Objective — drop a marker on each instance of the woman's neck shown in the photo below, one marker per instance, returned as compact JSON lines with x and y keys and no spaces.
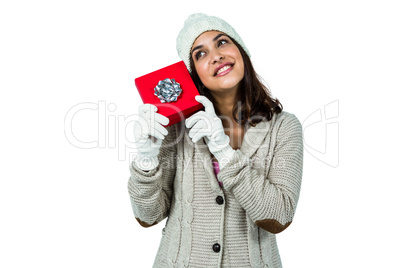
{"x":224,"y":109}
{"x":224,"y":105}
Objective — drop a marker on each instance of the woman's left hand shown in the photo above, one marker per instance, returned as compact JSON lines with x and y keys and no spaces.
{"x":209,"y":126}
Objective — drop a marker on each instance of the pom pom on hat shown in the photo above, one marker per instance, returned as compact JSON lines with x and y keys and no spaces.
{"x":194,"y":26}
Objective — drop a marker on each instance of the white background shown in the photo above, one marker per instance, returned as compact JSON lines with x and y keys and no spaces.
{"x":62,"y":205}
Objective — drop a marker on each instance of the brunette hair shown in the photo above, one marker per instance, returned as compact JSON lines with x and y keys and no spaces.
{"x":256,"y":102}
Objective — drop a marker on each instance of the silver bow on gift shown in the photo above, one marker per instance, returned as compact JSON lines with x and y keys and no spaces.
{"x":168,"y":90}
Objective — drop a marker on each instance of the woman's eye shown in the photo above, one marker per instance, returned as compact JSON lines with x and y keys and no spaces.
{"x":222,"y":42}
{"x":198,"y":55}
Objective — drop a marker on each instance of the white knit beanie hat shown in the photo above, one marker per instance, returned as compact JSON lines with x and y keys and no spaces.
{"x":194,"y":26}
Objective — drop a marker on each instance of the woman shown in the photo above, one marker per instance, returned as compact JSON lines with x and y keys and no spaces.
{"x":227,"y":217}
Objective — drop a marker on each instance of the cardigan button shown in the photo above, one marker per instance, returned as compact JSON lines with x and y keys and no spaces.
{"x":219,"y":200}
{"x":216,"y":247}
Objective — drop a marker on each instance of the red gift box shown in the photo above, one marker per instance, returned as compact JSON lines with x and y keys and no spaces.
{"x":176,"y":111}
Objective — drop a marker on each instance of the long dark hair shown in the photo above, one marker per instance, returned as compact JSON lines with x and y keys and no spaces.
{"x":256,"y":102}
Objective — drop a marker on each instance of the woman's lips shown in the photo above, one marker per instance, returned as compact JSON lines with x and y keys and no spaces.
{"x":227,"y":69}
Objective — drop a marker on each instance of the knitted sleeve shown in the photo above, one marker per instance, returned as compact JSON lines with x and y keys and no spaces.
{"x":150,"y":192}
{"x":270,"y":201}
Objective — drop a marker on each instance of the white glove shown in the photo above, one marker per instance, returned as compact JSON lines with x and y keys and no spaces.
{"x":209,"y":126}
{"x":148,"y":136}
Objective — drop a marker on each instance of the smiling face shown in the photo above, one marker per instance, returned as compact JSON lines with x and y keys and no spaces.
{"x":218,"y":62}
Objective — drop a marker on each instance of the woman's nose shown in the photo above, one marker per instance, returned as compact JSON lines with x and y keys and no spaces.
{"x":216,"y":56}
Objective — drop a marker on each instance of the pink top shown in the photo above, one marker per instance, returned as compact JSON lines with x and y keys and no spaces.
{"x":215,"y":165}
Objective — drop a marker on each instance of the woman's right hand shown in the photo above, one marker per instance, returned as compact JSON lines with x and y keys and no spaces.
{"x":148,"y":136}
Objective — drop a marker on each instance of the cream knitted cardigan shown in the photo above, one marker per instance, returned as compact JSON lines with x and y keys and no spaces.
{"x":261,"y":186}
